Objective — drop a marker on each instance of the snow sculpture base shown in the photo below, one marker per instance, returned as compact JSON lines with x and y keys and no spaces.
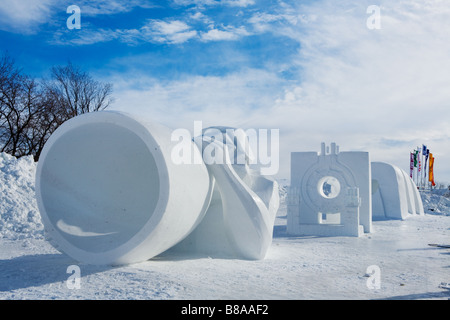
{"x":108,"y":192}
{"x":394,"y":193}
{"x":330,"y":193}
{"x":344,"y":223}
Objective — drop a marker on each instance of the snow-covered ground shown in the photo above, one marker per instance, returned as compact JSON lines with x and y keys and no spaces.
{"x":407,"y":267}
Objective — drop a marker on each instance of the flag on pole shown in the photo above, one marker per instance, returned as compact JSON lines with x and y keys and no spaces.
{"x":431,"y":173}
{"x":411,"y":164}
{"x":419,"y":160}
{"x":424,"y":149}
{"x":427,"y":152}
{"x":415,"y":158}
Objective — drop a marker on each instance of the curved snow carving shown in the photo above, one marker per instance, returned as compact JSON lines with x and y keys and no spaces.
{"x":394,"y":193}
{"x":109,"y":193}
{"x":241,"y":216}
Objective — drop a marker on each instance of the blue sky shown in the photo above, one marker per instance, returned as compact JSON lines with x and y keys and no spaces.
{"x":312,"y":69}
{"x":167,"y":39}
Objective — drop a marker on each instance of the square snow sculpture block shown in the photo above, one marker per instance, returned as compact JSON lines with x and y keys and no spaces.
{"x":330,"y":193}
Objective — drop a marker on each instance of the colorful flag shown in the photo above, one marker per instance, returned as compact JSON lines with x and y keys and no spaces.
{"x":419,"y":157}
{"x":424,"y":149}
{"x":426,"y":153}
{"x":415,"y":158}
{"x":431,"y":173}
{"x":411,"y":164}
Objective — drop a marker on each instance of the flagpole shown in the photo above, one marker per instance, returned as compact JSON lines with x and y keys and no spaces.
{"x":424,"y":165}
{"x":421,"y":172}
{"x":419,"y":179}
{"x":411,"y":165}
{"x":424,"y":153}
{"x":427,"y":167}
{"x":423,"y":168}
{"x":418,"y":166}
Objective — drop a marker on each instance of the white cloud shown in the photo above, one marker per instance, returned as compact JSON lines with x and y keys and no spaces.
{"x":154,"y":30}
{"x":169,"y":28}
{"x":263,"y":21}
{"x":27,"y":16}
{"x":383,"y":91}
{"x":239,"y":3}
{"x":216,"y":100}
{"x":24,"y":16}
{"x":200,"y":17}
{"x":169,"y":31}
{"x":108,"y":7}
{"x":203,"y":3}
{"x":360,"y":87}
{"x":215,"y":35}
{"x":172,"y":32}
{"x":228,"y":33}
{"x":87,"y":36}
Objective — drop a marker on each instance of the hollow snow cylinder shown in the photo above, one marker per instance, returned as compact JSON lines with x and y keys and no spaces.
{"x":109,"y":193}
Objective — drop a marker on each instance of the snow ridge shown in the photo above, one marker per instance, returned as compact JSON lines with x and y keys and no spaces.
{"x":19,"y":215}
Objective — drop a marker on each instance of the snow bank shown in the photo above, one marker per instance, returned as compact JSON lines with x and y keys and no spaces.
{"x":19,"y":216}
{"x":436,"y":201}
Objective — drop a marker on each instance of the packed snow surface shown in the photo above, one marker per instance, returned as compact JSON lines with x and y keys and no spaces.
{"x":294,"y":268}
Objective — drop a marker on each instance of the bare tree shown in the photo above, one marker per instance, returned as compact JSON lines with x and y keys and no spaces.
{"x":19,"y":103}
{"x":30,"y":110}
{"x":45,"y":121}
{"x":75,"y":92}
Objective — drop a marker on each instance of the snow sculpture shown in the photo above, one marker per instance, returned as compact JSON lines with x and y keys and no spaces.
{"x":241,"y":216}
{"x":109,"y":193}
{"x":330,"y":193}
{"x":394,"y":193}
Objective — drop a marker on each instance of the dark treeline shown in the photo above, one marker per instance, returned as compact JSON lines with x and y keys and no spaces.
{"x":32,"y":109}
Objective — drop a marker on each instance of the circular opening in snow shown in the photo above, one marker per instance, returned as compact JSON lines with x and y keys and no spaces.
{"x":99,"y":185}
{"x":329,"y":187}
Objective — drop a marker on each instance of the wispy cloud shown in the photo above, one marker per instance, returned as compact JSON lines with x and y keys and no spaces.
{"x":264,"y":22}
{"x":310,"y":68}
{"x":201,"y":17}
{"x":87,"y":36}
{"x":383,"y":91}
{"x":170,"y":31}
{"x":156,"y":31}
{"x":174,"y":31}
{"x":358,"y":85}
{"x":202,"y":3}
{"x":24,"y":16}
{"x":226,"y":33}
{"x":110,"y":7}
{"x":232,"y":99}
{"x":27,"y":16}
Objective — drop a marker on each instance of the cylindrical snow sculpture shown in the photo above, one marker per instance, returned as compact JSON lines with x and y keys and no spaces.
{"x":109,"y":193}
